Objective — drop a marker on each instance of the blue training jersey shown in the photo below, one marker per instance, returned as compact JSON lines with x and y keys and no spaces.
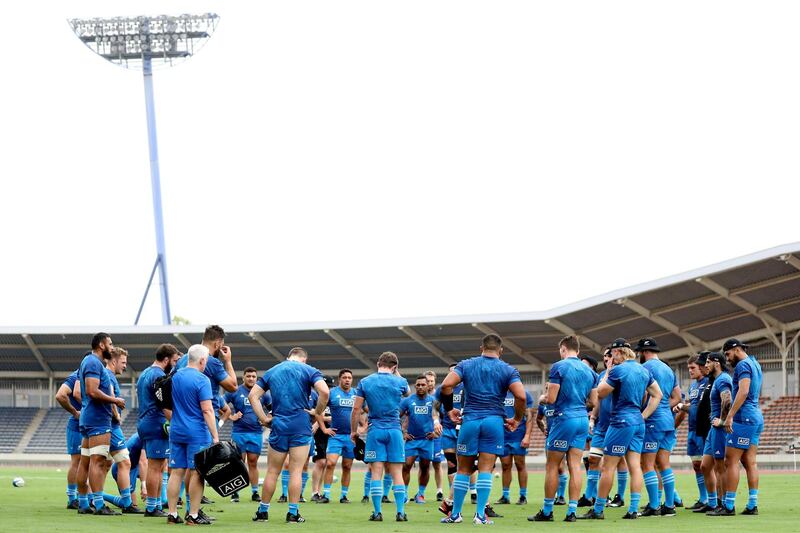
{"x":722,"y":383}
{"x":630,"y":381}
{"x":576,"y":381}
{"x":662,"y":419}
{"x":340,"y":404}
{"x":72,"y":423}
{"x":240,"y":401}
{"x":383,"y":392}
{"x":604,"y":412}
{"x":189,"y":388}
{"x":115,"y":389}
{"x":508,"y":404}
{"x":486,"y":381}
{"x":420,"y":415}
{"x":215,"y":372}
{"x":750,"y":412}
{"x":695,"y":391}
{"x":94,"y":413}
{"x":290,"y":383}
{"x":151,"y":418}
{"x":458,"y":403}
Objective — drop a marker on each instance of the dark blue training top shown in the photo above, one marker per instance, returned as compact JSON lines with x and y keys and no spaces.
{"x":486,"y":382}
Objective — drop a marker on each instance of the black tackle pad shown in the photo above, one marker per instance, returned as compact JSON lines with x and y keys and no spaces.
{"x":222,"y":467}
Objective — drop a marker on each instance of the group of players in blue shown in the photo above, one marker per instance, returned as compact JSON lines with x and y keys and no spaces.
{"x":480,"y":412}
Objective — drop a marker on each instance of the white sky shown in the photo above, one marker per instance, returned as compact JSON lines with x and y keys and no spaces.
{"x":360,"y":159}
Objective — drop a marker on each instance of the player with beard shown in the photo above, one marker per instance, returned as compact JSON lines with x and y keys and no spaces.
{"x":713,"y":462}
{"x":694,"y":443}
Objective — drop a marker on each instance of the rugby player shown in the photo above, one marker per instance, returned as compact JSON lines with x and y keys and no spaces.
{"x":247,"y":433}
{"x":320,"y":449}
{"x":152,"y":427}
{"x":713,"y":462}
{"x":544,"y":415}
{"x":449,"y":436}
{"x":95,"y":425}
{"x":659,"y":438}
{"x":290,"y":384}
{"x":515,"y":449}
{"x":420,"y":428}
{"x":570,"y":390}
{"x":134,"y":447}
{"x":743,"y":425}
{"x":695,"y":443}
{"x":627,"y":382}
{"x":438,"y":453}
{"x":384,"y":392}
{"x":71,"y":405}
{"x":486,"y":380}
{"x":341,"y":403}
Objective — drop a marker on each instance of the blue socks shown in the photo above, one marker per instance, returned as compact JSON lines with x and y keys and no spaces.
{"x":547,"y":508}
{"x":730,"y":500}
{"x":712,"y":500}
{"x":72,"y":493}
{"x":506,"y":492}
{"x":83,"y":501}
{"x":367,"y":483}
{"x":633,"y":507}
{"x":285,"y":483}
{"x":263,"y":507}
{"x":151,"y":504}
{"x":599,"y":505}
{"x":668,"y":479}
{"x":592,"y":478}
{"x":304,"y":479}
{"x":375,"y":493}
{"x":484,"y":487}
{"x":122,"y":501}
{"x":752,"y":500}
{"x":622,"y":483}
{"x":562,"y":485}
{"x":572,"y":507}
{"x":460,"y":489}
{"x":387,"y":484}
{"x":701,"y":487}
{"x":344,"y":491}
{"x":523,"y":493}
{"x":651,"y":485}
{"x":254,"y":488}
{"x":294,"y":509}
{"x":164,"y":481}
{"x":326,"y":490}
{"x":400,"y":498}
{"x":97,"y":499}
{"x":421,"y":490}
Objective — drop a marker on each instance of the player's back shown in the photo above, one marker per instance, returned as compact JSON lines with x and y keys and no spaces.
{"x":290,"y":384}
{"x":630,"y":381}
{"x":722,"y":383}
{"x":458,"y":403}
{"x":662,"y":418}
{"x":486,"y":381}
{"x":576,"y":381}
{"x":384,"y":392}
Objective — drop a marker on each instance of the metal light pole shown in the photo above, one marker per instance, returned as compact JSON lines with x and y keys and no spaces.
{"x":138,"y":42}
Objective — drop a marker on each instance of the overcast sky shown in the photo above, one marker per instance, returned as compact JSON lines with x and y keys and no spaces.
{"x":361,"y":159}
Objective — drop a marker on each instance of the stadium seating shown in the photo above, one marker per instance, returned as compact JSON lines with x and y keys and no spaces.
{"x":50,"y":437}
{"x":13,"y":423}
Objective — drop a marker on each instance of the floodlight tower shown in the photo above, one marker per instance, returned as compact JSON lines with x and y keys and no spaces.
{"x":139,"y":43}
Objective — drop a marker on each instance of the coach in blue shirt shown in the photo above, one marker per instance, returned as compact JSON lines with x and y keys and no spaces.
{"x":193,"y":427}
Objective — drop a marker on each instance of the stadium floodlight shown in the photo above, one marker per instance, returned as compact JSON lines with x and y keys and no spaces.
{"x":141,"y":43}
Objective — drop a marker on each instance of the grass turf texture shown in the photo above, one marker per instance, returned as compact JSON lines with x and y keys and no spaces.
{"x":39,"y":506}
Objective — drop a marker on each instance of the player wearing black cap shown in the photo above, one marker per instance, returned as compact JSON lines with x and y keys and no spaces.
{"x":713,"y":464}
{"x":743,"y":425}
{"x":694,"y":443}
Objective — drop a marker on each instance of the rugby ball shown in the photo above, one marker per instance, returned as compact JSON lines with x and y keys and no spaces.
{"x":18,"y":482}
{"x":335,"y":478}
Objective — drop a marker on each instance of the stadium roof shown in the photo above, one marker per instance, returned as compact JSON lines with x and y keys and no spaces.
{"x":755,"y":298}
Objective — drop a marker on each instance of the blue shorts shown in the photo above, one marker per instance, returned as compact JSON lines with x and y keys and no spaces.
{"x":743,"y":436}
{"x":715,"y":443}
{"x":598,"y":438}
{"x":384,"y":445}
{"x":481,"y":436}
{"x":341,"y":445}
{"x":117,"y":439}
{"x":249,"y":442}
{"x":624,"y":439}
{"x":655,"y":440}
{"x":449,"y":438}
{"x":568,"y":433}
{"x":181,"y":454}
{"x":93,"y":431}
{"x":156,"y":448}
{"x":74,"y":439}
{"x":438,"y":454}
{"x":420,"y":448}
{"x":754,"y":440}
{"x":694,"y":445}
{"x":282,"y":443}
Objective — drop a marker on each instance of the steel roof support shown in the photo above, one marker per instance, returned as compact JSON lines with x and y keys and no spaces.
{"x":355,"y":352}
{"x":515,"y":348}
{"x":267,"y":346}
{"x":37,"y":354}
{"x":425,"y":343}
{"x":563,"y":328}
{"x":694,"y":343}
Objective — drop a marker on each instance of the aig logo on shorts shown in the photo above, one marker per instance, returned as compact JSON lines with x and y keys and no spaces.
{"x":462,"y":448}
{"x":743,"y":441}
{"x":560,"y":444}
{"x":421,"y":410}
{"x":618,"y":449}
{"x":346,"y":402}
{"x":549,"y":412}
{"x":650,"y":445}
{"x":370,"y":454}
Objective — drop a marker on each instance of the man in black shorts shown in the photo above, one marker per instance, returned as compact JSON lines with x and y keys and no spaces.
{"x":320,"y":459}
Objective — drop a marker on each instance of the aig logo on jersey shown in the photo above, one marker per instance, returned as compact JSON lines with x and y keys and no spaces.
{"x":370,"y":454}
{"x":693,"y":393}
{"x":420,"y":409}
{"x":462,"y":448}
{"x":346,"y":402}
{"x":650,"y":445}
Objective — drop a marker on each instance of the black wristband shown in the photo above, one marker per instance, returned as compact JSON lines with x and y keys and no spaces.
{"x":447,"y":401}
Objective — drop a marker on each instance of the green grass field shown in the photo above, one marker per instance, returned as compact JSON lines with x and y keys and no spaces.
{"x":39,"y":506}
